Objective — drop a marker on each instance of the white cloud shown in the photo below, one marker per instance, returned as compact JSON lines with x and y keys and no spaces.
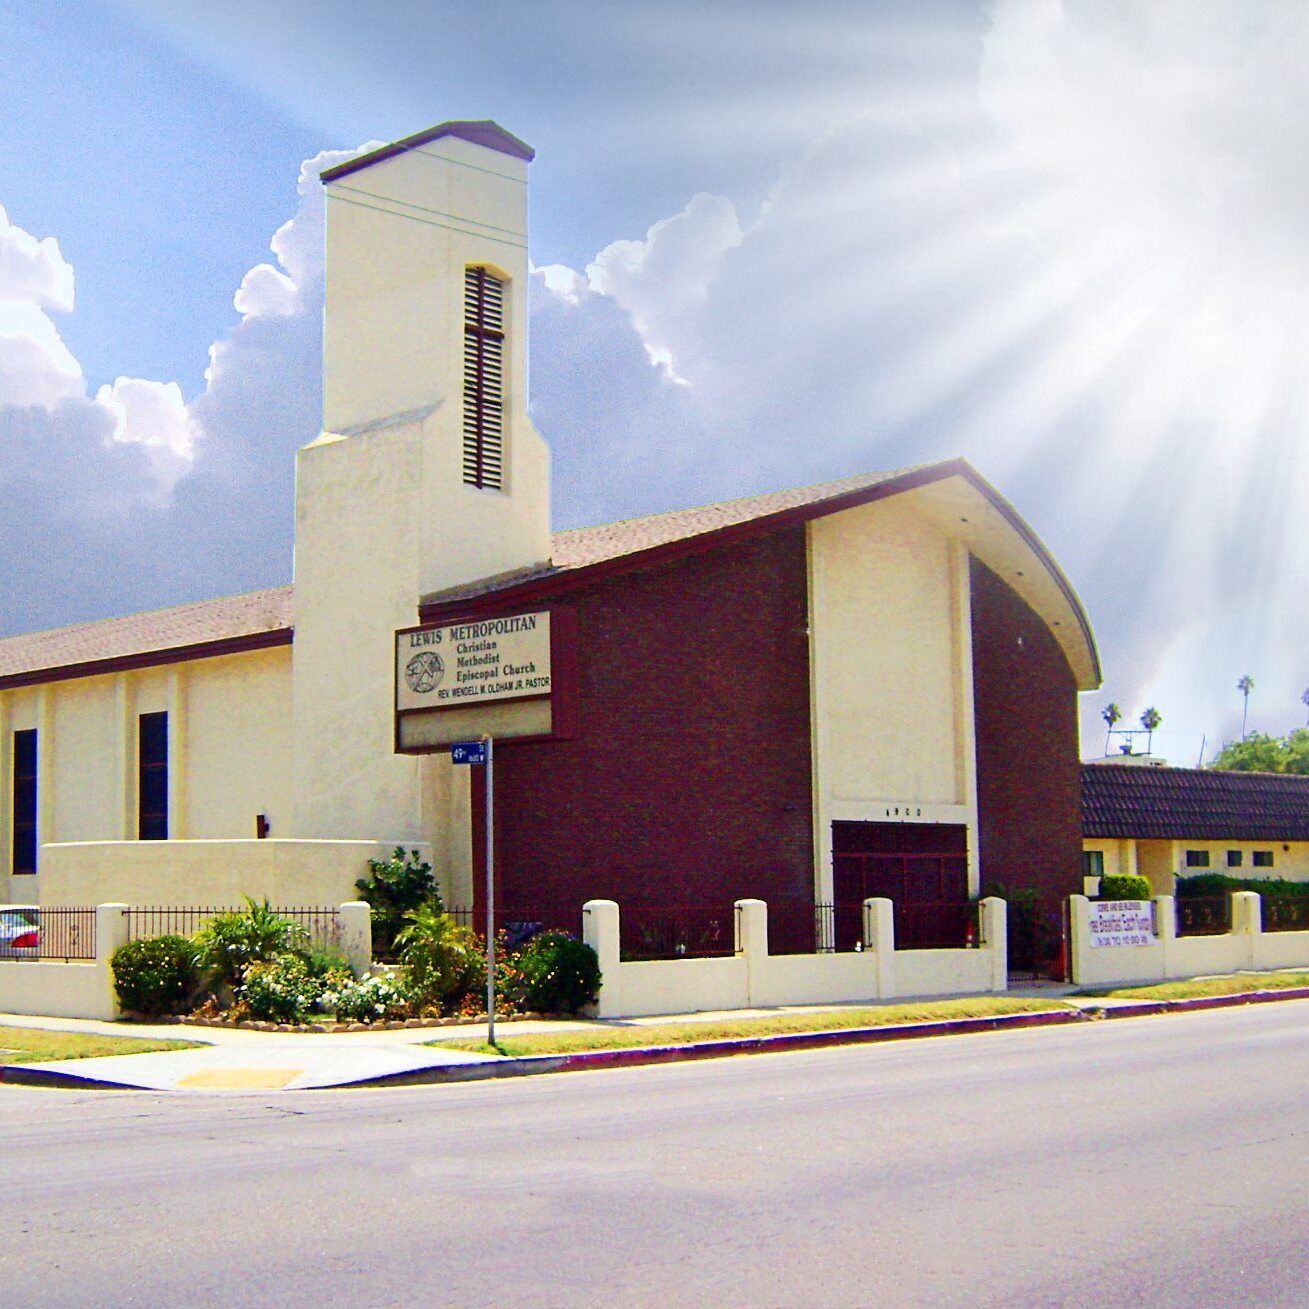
{"x":36,"y":367}
{"x":33,"y":271}
{"x":154,"y":416}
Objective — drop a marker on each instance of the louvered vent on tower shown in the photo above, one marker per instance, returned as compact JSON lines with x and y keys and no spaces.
{"x":483,"y":378}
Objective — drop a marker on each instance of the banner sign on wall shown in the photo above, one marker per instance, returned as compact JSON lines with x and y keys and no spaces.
{"x":1122,"y":922}
{"x":471,"y":663}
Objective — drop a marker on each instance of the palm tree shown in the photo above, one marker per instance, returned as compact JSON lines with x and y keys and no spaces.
{"x":1304,"y":700}
{"x":1111,"y":713}
{"x":1245,"y":686}
{"x":1150,"y":720}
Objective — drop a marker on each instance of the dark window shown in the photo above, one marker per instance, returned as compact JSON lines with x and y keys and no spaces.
{"x":1197,"y":858}
{"x":1092,"y":863}
{"x":152,"y":792}
{"x":484,"y":341}
{"x":1263,"y":858}
{"x":24,"y":860}
{"x":1235,"y":859}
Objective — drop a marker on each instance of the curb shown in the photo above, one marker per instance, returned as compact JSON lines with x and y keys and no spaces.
{"x":530,"y":1065}
{"x":637,"y":1056}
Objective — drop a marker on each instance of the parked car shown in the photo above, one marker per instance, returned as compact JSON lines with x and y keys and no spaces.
{"x":20,"y":931}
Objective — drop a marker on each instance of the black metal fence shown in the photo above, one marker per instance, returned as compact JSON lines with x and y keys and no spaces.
{"x":1286,"y":913}
{"x":518,"y":925}
{"x":1203,"y":915}
{"x":320,"y":924}
{"x":677,"y":931}
{"x":61,"y":933}
{"x":948,"y":925}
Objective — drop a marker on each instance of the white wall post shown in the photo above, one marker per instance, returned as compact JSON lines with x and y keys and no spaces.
{"x":1079,"y":911}
{"x":752,"y":942}
{"x":995,"y":938}
{"x":354,"y":921}
{"x":601,"y":931}
{"x":1247,"y":923}
{"x":879,"y":937}
{"x":111,"y":932}
{"x":1165,"y":925}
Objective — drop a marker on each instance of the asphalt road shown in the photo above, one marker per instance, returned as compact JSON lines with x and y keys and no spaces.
{"x":1149,"y":1162}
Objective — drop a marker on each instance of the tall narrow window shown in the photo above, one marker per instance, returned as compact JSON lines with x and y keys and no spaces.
{"x":24,"y":860}
{"x":152,"y":791}
{"x":484,"y":340}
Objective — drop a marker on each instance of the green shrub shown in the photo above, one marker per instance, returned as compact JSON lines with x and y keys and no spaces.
{"x":397,"y":887}
{"x":280,"y":990}
{"x":1202,"y":884}
{"x":229,"y":943}
{"x":442,"y":960}
{"x":156,"y":975}
{"x":560,"y":973}
{"x":367,"y":1000}
{"x":1124,"y":886}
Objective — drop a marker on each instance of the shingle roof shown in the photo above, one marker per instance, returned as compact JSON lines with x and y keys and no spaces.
{"x":1122,"y":800}
{"x":247,"y":621}
{"x":584,"y":547}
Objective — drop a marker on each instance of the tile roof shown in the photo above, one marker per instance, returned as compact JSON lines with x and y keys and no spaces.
{"x":257,"y":618}
{"x":584,"y":547}
{"x":1124,"y":800}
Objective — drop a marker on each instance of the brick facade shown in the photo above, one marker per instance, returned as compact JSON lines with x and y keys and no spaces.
{"x":688,"y":780}
{"x":1028,"y":772}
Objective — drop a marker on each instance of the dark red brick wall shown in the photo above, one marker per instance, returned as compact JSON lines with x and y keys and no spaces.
{"x":1028,"y":773}
{"x":688,"y":779}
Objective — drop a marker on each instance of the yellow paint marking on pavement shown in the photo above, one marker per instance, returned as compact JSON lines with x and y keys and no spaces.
{"x":240,"y":1079}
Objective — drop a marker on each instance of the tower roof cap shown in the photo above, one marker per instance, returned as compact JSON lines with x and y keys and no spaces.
{"x":483,"y":132}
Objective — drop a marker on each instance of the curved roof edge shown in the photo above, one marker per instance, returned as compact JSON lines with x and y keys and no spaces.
{"x":587,"y":554}
{"x":482,"y":131}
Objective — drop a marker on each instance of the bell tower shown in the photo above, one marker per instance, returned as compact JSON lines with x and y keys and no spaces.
{"x":428,"y":472}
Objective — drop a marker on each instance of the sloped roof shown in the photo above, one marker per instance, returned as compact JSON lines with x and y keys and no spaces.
{"x":482,"y":131}
{"x":952,"y":491}
{"x":588,"y":547}
{"x":210,"y":627}
{"x":264,"y":618}
{"x":1195,"y":804}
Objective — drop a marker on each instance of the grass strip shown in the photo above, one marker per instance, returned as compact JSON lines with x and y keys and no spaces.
{"x":612,"y":1036}
{"x":33,"y":1045}
{"x":1198,"y":988}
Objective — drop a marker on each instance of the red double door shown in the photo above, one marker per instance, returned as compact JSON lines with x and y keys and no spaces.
{"x":922,"y":868}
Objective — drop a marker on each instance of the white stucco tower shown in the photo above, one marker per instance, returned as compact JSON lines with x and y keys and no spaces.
{"x":428,"y":472}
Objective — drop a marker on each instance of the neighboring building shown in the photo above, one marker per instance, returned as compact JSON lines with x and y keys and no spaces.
{"x":1166,"y":823}
{"x":865,"y":687}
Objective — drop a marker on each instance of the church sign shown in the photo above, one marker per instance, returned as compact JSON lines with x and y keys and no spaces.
{"x":469,"y":671}
{"x":1121,"y":922}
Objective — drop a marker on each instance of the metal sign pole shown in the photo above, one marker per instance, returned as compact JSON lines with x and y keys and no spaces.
{"x":490,"y":891}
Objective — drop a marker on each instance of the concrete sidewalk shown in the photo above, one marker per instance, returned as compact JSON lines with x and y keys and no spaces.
{"x":235,"y":1059}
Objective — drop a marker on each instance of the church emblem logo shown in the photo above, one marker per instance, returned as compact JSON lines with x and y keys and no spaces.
{"x":424,"y":672}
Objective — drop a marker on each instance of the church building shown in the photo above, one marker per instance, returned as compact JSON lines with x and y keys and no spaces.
{"x":864,"y":687}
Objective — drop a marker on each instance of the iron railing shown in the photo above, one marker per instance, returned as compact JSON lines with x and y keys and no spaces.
{"x":677,"y":931}
{"x":1203,"y":915}
{"x":518,"y":924}
{"x":1286,"y":913}
{"x":63,"y":933}
{"x":320,"y":924}
{"x":945,"y":925}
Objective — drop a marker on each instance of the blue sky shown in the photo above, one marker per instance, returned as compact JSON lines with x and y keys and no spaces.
{"x":779,"y":243}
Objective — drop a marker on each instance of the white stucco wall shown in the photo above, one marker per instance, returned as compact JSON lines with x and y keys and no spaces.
{"x":229,"y":753}
{"x":890,"y":674}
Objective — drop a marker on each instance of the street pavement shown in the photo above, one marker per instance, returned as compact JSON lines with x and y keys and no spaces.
{"x":1159,"y":1161}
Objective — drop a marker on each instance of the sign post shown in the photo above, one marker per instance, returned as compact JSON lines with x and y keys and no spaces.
{"x":483,"y":752}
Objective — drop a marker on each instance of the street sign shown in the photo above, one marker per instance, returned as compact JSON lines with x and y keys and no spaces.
{"x":468,"y":752}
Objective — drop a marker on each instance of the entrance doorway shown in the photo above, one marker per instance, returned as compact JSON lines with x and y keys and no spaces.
{"x":922,"y":868}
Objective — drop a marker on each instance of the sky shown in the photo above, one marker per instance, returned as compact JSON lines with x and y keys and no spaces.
{"x":774,"y":244}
